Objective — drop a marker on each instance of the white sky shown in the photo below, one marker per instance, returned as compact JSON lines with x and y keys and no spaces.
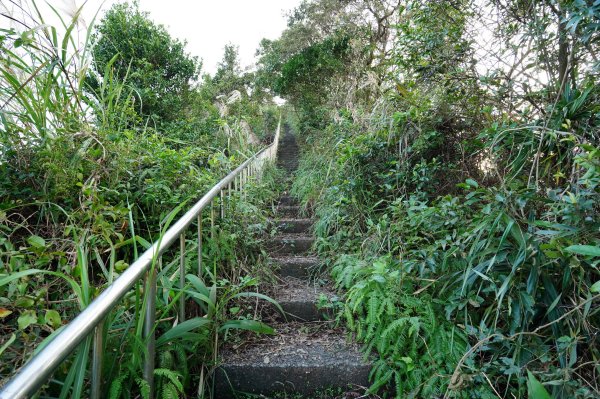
{"x":208,"y":25}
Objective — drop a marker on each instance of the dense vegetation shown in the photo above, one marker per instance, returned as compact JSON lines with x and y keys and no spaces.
{"x":102,"y":143}
{"x":451,"y":153}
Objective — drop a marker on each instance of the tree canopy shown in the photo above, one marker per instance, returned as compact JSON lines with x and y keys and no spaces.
{"x":147,"y":58}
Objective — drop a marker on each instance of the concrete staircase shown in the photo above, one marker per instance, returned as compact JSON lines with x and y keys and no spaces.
{"x":308,"y":356}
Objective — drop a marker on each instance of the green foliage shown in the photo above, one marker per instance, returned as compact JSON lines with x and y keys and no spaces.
{"x":416,"y":349}
{"x":228,"y":76}
{"x":458,"y":213}
{"x":489,"y":264}
{"x":431,"y":42}
{"x":153,"y":64}
{"x":306,"y":73}
{"x":535,"y":389}
{"x":305,"y":78}
{"x":87,"y":182}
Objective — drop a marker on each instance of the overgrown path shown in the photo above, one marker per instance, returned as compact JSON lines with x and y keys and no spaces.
{"x":307,"y":356}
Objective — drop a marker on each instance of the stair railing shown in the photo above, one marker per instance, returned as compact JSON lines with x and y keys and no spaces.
{"x":40,"y":367}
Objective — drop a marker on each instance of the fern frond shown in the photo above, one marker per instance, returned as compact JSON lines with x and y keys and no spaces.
{"x":172,"y":376}
{"x":169,"y":391}
{"x":144,"y":388}
{"x":116,"y":386}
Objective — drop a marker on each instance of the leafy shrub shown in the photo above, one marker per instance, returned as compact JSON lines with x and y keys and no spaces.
{"x":145,"y":56}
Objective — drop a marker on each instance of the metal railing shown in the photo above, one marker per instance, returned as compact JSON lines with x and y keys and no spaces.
{"x":39,"y":369}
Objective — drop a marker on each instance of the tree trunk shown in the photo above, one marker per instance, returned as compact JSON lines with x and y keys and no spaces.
{"x":563,"y":51}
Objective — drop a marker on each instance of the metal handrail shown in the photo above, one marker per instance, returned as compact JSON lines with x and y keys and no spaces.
{"x":39,"y":368}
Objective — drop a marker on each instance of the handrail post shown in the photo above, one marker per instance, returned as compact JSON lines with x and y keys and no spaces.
{"x":200,"y":245}
{"x":212,"y":219}
{"x":149,"y":335}
{"x":181,"y":277}
{"x":97,"y":357}
{"x":222,"y":203}
{"x":229,"y":207}
{"x":244,"y":182}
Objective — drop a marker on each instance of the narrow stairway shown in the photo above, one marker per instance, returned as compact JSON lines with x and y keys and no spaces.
{"x":307,"y":356}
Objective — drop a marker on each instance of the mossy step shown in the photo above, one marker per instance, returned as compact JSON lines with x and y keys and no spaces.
{"x":297,"y":360}
{"x":299,"y":300}
{"x":288,"y":167}
{"x":295,"y":266}
{"x":288,"y":200}
{"x":291,"y":211}
{"x":289,"y":245}
{"x":294,"y":225}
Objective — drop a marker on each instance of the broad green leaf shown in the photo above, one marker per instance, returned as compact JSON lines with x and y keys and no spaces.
{"x":553,"y":304}
{"x":409,"y":363}
{"x":52,"y":318}
{"x":585,"y":250}
{"x":535,"y":389}
{"x":37,"y":242}
{"x":198,"y":284}
{"x":595,"y":287}
{"x":26,"y":319}
{"x":203,"y":298}
{"x":121,"y":265}
{"x":472,"y":183}
{"x":182,"y":330}
{"x":145,"y":243}
{"x":24,"y":302}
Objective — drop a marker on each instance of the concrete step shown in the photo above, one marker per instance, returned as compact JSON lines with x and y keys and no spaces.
{"x":288,"y":200}
{"x":288,"y":211}
{"x":287,"y":166}
{"x":289,"y":245}
{"x":294,"y":225}
{"x":296,"y":361}
{"x":295,"y":266}
{"x":299,"y":299}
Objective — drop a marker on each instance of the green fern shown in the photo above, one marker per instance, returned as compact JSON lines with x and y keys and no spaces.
{"x":144,"y":388}
{"x":170,"y":391}
{"x":171,"y":377}
{"x":412,"y":343}
{"x":116,"y":386}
